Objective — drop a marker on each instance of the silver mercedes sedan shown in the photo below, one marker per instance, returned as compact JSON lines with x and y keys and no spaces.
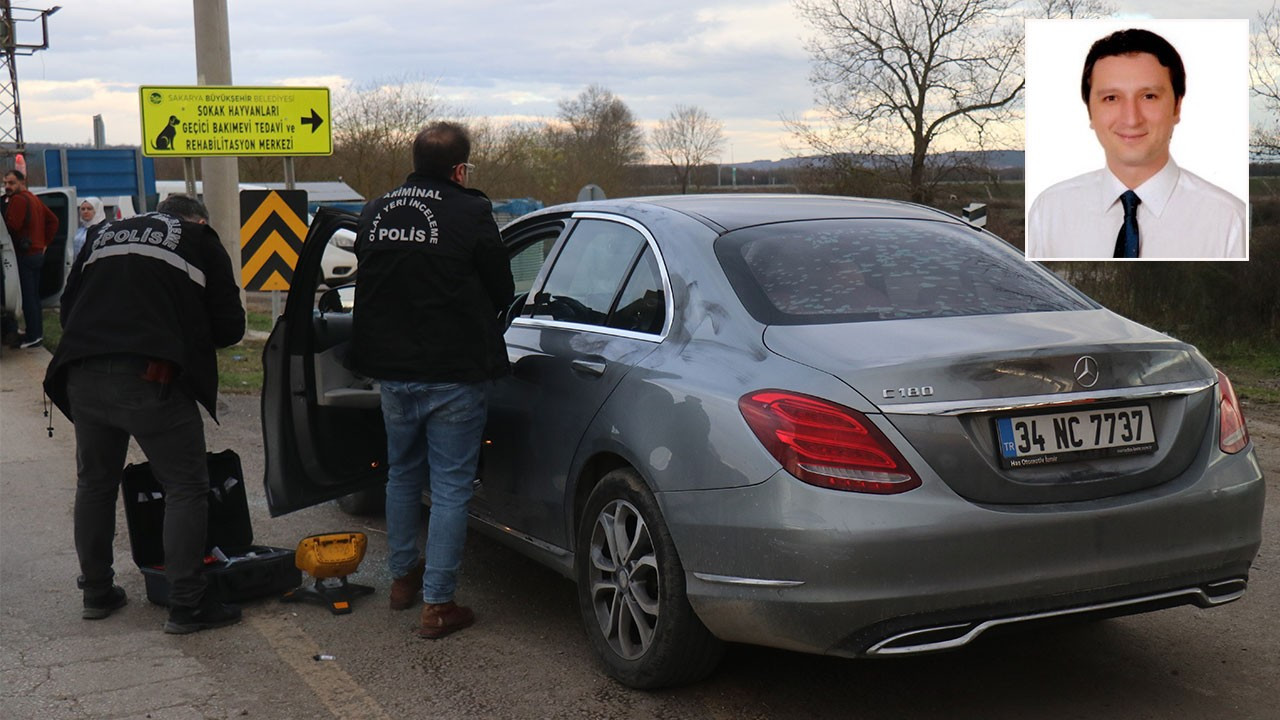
{"x":855,"y":427}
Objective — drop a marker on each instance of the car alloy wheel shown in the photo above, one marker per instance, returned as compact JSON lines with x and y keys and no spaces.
{"x":624,"y":579}
{"x":631,"y":590}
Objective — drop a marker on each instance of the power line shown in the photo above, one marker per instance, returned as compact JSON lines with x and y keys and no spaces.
{"x":16,"y":38}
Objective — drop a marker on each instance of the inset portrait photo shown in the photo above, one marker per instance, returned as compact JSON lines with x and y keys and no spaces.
{"x":1137,"y":139}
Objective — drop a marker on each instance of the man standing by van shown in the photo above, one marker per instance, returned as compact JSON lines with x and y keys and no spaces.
{"x":433,"y":276}
{"x":32,"y":227}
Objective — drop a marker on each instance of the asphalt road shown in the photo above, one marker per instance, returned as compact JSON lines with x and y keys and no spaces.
{"x":527,"y":657}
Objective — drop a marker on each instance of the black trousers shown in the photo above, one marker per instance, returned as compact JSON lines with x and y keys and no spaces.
{"x":110,"y":402}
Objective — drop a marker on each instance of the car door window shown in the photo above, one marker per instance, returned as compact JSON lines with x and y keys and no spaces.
{"x":529,"y":247}
{"x":527,"y":262}
{"x":588,"y":271}
{"x":642,"y":305}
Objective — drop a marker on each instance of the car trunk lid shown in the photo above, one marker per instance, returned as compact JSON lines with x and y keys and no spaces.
{"x":947,"y":384}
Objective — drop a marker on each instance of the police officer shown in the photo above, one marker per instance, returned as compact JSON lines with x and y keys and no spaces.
{"x":433,"y":276}
{"x":146,"y":303}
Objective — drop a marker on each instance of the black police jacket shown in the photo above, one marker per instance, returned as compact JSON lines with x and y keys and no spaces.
{"x":155,"y":286}
{"x":433,"y":276}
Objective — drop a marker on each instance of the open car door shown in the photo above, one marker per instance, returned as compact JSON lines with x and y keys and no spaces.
{"x":58,"y":255}
{"x":322,"y":428}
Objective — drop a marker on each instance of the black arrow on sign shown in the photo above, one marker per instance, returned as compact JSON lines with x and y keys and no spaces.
{"x":272,"y":223}
{"x":314,"y":121}
{"x":274,"y":265}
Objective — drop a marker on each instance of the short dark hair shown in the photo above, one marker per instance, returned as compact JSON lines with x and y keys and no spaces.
{"x":439,"y":148}
{"x":183,"y":206}
{"x":1132,"y":42}
{"x":22,"y":177}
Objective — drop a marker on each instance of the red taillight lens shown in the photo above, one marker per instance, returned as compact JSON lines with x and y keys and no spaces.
{"x":826,"y":444}
{"x":1233,"y":436}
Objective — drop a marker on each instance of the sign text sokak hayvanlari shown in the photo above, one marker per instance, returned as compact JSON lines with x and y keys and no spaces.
{"x":237,"y":127}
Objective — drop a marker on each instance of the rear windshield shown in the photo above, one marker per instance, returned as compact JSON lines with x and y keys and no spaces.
{"x":827,"y":271}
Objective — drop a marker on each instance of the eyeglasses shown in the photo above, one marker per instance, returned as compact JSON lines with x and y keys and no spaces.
{"x":469,"y":166}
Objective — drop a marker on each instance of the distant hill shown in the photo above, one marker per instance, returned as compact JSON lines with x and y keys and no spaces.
{"x":995,"y":159}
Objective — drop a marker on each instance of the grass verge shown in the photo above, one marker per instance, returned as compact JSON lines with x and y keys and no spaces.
{"x":1253,"y":367}
{"x":240,"y":368}
{"x":261,"y":321}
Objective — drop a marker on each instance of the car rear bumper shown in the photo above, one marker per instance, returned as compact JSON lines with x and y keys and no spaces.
{"x":789,"y":565}
{"x":925,"y":634}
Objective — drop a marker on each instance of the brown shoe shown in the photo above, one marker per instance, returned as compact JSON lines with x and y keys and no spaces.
{"x":406,"y":590}
{"x":444,"y":618}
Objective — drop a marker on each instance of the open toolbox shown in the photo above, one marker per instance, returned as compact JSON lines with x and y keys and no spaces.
{"x":235,"y":568}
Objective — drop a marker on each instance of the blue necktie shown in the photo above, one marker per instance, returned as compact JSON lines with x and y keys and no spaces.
{"x":1127,"y":239}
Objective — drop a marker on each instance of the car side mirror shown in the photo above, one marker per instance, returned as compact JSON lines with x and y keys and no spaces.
{"x":338,"y":300}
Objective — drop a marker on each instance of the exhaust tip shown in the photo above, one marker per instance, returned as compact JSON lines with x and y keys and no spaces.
{"x":942,"y":637}
{"x":951,"y":636}
{"x":1225,"y":591}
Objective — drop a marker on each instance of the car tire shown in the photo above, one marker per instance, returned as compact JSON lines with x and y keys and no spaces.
{"x":364,"y":503}
{"x":632,"y":593}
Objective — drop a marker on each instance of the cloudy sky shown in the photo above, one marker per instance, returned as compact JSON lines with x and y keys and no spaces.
{"x":743,"y":61}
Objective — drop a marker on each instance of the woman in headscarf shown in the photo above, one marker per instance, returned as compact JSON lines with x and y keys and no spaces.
{"x":90,"y":214}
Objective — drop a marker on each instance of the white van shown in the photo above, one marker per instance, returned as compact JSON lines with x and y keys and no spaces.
{"x":117,"y":207}
{"x":57,"y":257}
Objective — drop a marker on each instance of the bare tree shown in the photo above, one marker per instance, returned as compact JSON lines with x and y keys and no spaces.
{"x":1264,"y":72}
{"x":599,"y":141}
{"x":1067,"y":9}
{"x":895,"y":75}
{"x":373,"y":129}
{"x":512,"y":160}
{"x":687,"y":139}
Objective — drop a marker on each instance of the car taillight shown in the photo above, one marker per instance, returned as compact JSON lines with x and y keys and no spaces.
{"x":826,"y":444}
{"x":1233,"y":436}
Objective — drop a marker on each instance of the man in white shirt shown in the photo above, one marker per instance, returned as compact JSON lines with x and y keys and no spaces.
{"x":1141,"y":204}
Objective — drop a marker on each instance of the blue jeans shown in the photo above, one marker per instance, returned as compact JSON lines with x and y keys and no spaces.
{"x":433,"y":435}
{"x":29,"y":267}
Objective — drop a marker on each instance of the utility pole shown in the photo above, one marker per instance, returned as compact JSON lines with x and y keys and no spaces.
{"x":221,"y":174}
{"x":12,"y":20}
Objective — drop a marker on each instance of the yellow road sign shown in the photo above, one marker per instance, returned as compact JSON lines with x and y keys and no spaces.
{"x":273,"y":224}
{"x":206,"y":120}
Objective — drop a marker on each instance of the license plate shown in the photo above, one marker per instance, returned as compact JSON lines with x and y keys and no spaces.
{"x":1026,"y":440}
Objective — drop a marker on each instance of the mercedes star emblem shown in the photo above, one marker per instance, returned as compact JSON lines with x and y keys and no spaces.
{"x":1086,"y":371}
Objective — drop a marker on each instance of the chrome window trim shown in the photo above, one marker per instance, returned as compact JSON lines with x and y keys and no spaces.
{"x":668,"y":309}
{"x":963,"y":407}
{"x":584,"y":327}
